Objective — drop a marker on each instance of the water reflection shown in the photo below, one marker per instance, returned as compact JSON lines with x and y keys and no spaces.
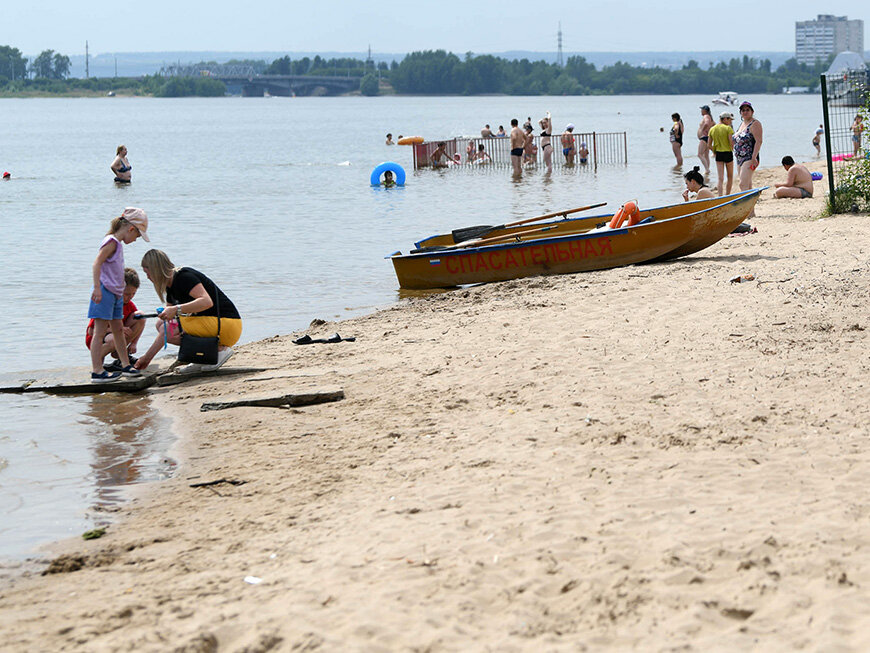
{"x":129,"y":441}
{"x":76,"y":461}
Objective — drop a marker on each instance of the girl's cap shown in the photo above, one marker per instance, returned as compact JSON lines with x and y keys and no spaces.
{"x":6,"y":175}
{"x":139,"y":219}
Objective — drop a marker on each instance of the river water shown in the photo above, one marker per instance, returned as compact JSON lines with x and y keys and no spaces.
{"x":271,"y":198}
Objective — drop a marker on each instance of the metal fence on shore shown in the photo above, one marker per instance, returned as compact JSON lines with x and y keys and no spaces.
{"x":602,"y":148}
{"x":846,"y":110}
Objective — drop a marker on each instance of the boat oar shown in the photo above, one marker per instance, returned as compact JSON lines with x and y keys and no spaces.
{"x":468,"y":233}
{"x":477,"y":242}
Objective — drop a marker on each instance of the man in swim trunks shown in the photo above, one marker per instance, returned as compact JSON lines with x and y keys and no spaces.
{"x":518,"y":139}
{"x":568,"y":144}
{"x":798,"y":184}
{"x":436,"y":155}
{"x":703,"y":137}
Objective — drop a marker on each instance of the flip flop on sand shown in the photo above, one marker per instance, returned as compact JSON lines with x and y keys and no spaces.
{"x":308,"y":340}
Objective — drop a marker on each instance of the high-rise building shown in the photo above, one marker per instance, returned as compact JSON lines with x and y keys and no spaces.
{"x":827,"y":35}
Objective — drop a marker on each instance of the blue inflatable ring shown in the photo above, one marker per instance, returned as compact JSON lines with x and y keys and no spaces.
{"x":397,"y":170}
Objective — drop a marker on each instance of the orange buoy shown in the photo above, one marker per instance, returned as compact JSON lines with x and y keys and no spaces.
{"x":628,"y":210}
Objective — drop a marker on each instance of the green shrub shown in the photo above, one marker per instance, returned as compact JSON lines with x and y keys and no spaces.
{"x":853,"y":180}
{"x":368,"y":85}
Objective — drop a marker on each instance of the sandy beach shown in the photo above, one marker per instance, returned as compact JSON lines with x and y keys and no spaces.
{"x":646,"y":458}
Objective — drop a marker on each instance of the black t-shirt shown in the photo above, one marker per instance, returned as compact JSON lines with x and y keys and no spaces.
{"x":186,"y":279}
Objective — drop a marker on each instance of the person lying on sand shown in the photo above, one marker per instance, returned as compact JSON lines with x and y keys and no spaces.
{"x":798,"y":184}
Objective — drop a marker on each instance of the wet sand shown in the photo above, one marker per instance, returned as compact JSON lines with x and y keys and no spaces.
{"x":648,"y":457}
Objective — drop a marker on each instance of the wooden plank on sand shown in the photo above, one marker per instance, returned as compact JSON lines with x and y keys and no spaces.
{"x":174,"y":378}
{"x":301,"y":398}
{"x":66,"y":386}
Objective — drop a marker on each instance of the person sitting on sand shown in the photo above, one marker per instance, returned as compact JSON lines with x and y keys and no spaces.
{"x":437,"y":154}
{"x":798,"y":184}
{"x":388,"y":181}
{"x":132,"y":326}
{"x":193,"y":301}
{"x":695,"y":187}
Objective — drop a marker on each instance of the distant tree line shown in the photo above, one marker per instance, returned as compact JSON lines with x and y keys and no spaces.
{"x":438,"y":72}
{"x":48,"y":65}
{"x":326,"y":67}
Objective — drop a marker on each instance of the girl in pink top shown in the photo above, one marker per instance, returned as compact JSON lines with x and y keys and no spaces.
{"x":107,"y":302}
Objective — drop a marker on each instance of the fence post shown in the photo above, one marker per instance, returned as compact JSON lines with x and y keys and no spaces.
{"x":625,"y":146}
{"x":824,"y":83}
{"x":595,"y":151}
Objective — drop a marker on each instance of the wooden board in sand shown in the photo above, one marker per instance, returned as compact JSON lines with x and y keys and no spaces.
{"x":76,"y":381}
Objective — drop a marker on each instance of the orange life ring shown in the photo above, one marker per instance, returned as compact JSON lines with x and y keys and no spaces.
{"x":628,"y":210}
{"x":410,"y":140}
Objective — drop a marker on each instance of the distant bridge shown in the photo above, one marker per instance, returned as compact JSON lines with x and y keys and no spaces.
{"x":288,"y":85}
{"x":242,"y":80}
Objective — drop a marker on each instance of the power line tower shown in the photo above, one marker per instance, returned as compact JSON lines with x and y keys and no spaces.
{"x":559,"y":48}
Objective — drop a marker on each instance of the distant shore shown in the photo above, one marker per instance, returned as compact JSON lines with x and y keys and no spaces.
{"x":639,"y":457}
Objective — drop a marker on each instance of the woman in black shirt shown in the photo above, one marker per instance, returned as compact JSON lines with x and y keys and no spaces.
{"x":195,"y":301}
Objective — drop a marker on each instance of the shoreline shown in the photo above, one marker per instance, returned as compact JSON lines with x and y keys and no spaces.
{"x":592,"y":459}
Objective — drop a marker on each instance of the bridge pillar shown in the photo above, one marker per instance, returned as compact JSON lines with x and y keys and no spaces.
{"x":253,"y":90}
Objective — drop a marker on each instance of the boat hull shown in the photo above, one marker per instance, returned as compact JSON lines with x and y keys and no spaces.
{"x":575,"y":246}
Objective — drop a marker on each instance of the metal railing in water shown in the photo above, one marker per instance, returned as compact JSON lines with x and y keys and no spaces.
{"x":601,"y":148}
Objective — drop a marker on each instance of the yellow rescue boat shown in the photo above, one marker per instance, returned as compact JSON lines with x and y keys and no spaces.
{"x":571,"y":245}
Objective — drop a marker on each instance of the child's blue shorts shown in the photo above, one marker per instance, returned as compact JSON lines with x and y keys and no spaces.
{"x":110,"y":308}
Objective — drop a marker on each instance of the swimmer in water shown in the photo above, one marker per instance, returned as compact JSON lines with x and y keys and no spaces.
{"x":388,"y":181}
{"x":583,"y":153}
{"x":436,"y":157}
{"x":121,"y":166}
{"x":482,"y":156}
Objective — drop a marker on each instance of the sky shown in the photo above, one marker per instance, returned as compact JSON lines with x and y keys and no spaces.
{"x":394,"y":27}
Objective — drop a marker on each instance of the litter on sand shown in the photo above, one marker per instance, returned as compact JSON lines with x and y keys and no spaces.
{"x":308,"y":340}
